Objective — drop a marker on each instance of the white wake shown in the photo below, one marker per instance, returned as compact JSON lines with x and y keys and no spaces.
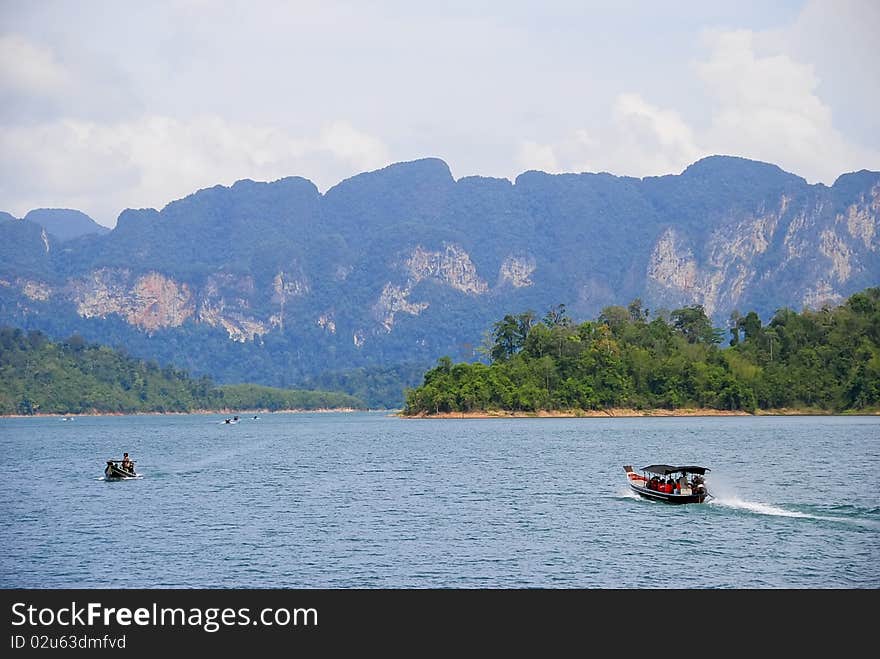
{"x":760,"y":508}
{"x":776,"y":511}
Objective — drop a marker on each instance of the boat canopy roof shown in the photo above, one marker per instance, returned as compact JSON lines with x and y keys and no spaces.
{"x":665,"y":470}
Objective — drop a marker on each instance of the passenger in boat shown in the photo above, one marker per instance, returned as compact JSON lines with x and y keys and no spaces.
{"x":126,"y":462}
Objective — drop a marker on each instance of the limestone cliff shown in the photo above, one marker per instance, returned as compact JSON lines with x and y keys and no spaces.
{"x":517,"y":270}
{"x":150,"y":301}
{"x":451,"y":266}
{"x":817,"y":252}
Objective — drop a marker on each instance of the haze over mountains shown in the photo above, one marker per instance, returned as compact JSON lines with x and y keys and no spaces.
{"x":275,"y":283}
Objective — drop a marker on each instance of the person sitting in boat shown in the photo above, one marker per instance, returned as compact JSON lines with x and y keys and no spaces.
{"x":127,"y":463}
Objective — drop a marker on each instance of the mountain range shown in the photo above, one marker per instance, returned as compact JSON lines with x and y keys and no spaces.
{"x":278,"y":284}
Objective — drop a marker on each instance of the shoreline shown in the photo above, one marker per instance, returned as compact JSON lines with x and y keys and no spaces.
{"x":610,"y":413}
{"x":227,"y":412}
{"x":621,"y":412}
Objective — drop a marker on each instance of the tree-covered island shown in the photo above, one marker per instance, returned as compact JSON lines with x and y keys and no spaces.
{"x":825,"y":361}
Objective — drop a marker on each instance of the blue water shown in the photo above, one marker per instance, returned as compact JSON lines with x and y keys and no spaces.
{"x":368,"y":500}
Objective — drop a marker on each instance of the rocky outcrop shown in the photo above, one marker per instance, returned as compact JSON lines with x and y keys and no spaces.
{"x":286,"y":286}
{"x":451,"y":266}
{"x":36,"y":290}
{"x":327,"y":323}
{"x":822,"y":294}
{"x":750,"y":250}
{"x":225,"y":301}
{"x":150,"y":302}
{"x":517,"y":271}
{"x":392,"y":300}
{"x":157,"y":301}
{"x":154,"y":301}
{"x":672,"y":269}
{"x":837,"y":251}
{"x":238,"y":326}
{"x":861,"y":218}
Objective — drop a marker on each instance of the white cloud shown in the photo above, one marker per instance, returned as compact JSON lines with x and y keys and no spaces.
{"x":765,"y":105}
{"x":111,"y":105}
{"x":104,"y":168}
{"x":768,"y":108}
{"x":664,"y":126}
{"x":838,"y":38}
{"x":642,"y":140}
{"x":341,"y":140}
{"x":28,"y":68}
{"x":537,"y":156}
{"x":655,"y":140}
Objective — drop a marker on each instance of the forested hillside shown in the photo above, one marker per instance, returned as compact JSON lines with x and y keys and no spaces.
{"x":822,"y":360}
{"x":73,"y":377}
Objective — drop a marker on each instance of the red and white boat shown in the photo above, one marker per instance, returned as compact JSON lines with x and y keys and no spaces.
{"x":669,"y":483}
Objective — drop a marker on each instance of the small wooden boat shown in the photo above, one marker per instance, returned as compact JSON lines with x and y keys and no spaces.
{"x":115,"y":472}
{"x":669,"y":483}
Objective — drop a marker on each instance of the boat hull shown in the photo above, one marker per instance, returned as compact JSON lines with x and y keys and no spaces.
{"x":654,"y":495}
{"x":114,"y":473}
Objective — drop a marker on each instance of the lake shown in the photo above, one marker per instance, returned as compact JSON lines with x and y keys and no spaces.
{"x":367,"y":500}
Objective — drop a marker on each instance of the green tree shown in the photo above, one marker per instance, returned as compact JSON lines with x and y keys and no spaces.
{"x":693,"y":323}
{"x":509,"y":335}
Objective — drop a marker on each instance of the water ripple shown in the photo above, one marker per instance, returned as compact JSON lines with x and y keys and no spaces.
{"x":364,"y":500}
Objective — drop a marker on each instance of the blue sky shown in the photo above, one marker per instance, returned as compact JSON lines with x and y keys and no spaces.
{"x":109,"y":105}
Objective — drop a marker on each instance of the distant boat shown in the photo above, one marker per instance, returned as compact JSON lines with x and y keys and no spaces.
{"x":114,"y":471}
{"x":234,"y":419}
{"x":668,"y":483}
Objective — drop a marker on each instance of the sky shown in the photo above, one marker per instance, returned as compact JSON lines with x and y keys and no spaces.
{"x":114,"y":104}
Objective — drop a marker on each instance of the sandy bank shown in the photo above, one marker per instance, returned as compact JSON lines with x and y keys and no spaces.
{"x":621,"y":412}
